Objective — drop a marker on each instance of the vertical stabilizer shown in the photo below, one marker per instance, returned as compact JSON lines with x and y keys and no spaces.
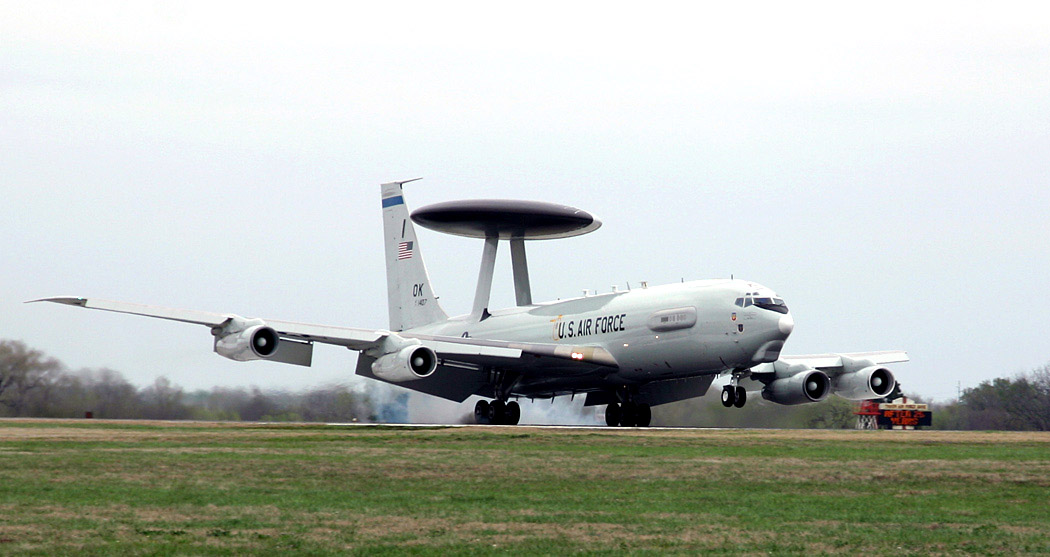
{"x":411,"y":299}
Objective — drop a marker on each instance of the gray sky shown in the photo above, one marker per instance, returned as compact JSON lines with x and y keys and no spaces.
{"x":884,"y":168}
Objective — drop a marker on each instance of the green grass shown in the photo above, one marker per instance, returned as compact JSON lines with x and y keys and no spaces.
{"x":178,"y":488}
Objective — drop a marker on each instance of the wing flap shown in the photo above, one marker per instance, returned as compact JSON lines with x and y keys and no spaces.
{"x":457,"y":351}
{"x":449,"y":382}
{"x":595,"y":355}
{"x":350,"y":337}
{"x":293,"y":352}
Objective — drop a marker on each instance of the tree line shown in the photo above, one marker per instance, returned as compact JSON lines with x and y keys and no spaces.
{"x":1020,"y":403}
{"x":33,"y":384}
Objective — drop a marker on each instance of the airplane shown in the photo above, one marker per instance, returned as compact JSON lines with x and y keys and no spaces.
{"x":628,"y":350}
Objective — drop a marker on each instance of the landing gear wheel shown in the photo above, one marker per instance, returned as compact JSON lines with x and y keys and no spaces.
{"x":481,"y":412}
{"x":497,"y":412}
{"x":728,"y":396}
{"x":741,"y":397}
{"x":512,"y":414}
{"x":612,"y":415}
{"x":630,"y":415}
{"x":643,"y":415}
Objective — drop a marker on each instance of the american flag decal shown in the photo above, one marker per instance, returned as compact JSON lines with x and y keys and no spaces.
{"x":404,"y":250}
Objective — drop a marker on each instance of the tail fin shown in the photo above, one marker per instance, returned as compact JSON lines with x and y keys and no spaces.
{"x":411,"y":300}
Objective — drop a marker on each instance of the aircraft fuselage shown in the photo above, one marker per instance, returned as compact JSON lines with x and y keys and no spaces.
{"x":655,"y":333}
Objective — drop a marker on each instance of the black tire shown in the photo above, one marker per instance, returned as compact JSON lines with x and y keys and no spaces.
{"x":497,"y":412}
{"x":643,"y":416}
{"x":512,"y":413}
{"x":728,"y":396}
{"x":629,"y":418}
{"x":481,"y":412}
{"x":612,"y":415}
{"x":741,"y":397}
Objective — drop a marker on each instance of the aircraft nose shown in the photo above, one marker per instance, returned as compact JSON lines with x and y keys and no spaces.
{"x":786,"y":324}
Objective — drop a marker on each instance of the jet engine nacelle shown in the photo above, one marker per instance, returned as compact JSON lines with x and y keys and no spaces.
{"x":409,"y":363}
{"x":253,"y":342}
{"x":797,"y":385}
{"x":863,"y":380}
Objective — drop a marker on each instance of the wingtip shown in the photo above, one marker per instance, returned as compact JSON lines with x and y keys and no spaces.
{"x":67,"y":300}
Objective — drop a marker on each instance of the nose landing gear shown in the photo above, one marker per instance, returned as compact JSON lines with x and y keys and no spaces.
{"x":734,"y":396}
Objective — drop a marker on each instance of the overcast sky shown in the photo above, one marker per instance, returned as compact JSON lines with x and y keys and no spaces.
{"x":884,"y":168}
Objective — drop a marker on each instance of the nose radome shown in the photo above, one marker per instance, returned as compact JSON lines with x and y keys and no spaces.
{"x":786,"y":324}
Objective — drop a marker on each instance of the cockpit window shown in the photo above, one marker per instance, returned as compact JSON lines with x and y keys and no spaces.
{"x":739,"y":302}
{"x":772,"y":304}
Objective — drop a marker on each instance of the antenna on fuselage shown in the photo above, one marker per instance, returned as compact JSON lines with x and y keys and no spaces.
{"x":502,"y":219}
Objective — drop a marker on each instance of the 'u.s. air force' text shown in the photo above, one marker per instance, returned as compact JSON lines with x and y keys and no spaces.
{"x":591,"y":326}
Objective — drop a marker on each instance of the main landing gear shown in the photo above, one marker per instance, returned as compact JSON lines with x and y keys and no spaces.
{"x":497,"y":412}
{"x":628,"y":414}
{"x":734,"y":396}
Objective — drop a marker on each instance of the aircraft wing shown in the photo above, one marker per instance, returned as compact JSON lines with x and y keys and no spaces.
{"x":475,"y":352}
{"x":462,"y":362}
{"x":834,"y":362}
{"x":586,"y":354}
{"x":353,"y":338}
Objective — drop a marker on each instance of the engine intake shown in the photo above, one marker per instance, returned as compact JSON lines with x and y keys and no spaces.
{"x":256,"y":342}
{"x":864,"y":384}
{"x":804,"y":386}
{"x":412,"y":362}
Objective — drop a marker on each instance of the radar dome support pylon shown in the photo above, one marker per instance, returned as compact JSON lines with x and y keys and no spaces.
{"x":520,"y":267}
{"x":484,"y":289}
{"x":503,"y":219}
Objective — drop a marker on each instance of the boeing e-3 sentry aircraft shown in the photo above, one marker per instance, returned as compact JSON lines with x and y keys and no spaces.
{"x":629,"y":350}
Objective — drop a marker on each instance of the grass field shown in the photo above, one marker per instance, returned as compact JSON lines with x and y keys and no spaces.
{"x":86,"y":487}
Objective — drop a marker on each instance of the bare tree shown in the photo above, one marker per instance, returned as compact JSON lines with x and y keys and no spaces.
{"x":163,"y":401}
{"x":333,"y":403}
{"x":110,"y":395}
{"x":23,"y":370}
